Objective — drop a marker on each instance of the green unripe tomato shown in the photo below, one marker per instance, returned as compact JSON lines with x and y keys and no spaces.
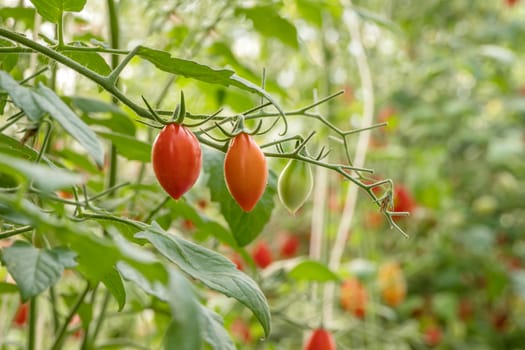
{"x":295,"y":184}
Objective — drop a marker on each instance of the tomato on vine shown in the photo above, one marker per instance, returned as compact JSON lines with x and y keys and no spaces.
{"x":320,"y":339}
{"x":245,"y":171}
{"x":176,"y":157}
{"x":295,"y":185}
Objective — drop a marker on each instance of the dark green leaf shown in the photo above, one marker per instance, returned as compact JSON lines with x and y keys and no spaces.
{"x":129,"y":147}
{"x":244,"y":226}
{"x":13,"y":147}
{"x":91,"y":60}
{"x":269,"y":23}
{"x":310,"y":270}
{"x":41,"y":176}
{"x":190,"y":69}
{"x":119,"y":121}
{"x":57,"y":109}
{"x":212,"y":269}
{"x":22,"y":97}
{"x":114,"y":284}
{"x":52,"y":10}
{"x":34,"y":270}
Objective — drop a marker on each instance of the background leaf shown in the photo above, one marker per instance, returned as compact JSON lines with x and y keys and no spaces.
{"x":244,"y":226}
{"x":34,"y":270}
{"x":312,"y":271}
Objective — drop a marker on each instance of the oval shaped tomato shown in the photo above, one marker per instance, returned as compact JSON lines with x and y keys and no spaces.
{"x":262,"y":255}
{"x":392,"y":283}
{"x":354,"y":297}
{"x":176,"y":156}
{"x":320,"y":339}
{"x":245,"y":171}
{"x":295,"y":184}
{"x":21,"y":315}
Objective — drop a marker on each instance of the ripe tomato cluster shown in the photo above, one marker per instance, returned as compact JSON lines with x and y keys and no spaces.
{"x":177,"y":159}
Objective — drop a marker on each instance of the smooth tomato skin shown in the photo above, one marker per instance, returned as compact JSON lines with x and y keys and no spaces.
{"x":177,"y":158}
{"x":262,"y":255}
{"x":320,"y":339}
{"x":392,"y":283}
{"x":289,"y":246}
{"x":21,"y":315}
{"x":245,"y":171}
{"x":354,"y":297}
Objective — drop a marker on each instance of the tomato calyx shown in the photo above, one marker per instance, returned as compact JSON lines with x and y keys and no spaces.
{"x":177,"y":118}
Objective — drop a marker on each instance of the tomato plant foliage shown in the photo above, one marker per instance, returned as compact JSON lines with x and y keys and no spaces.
{"x":124,"y":202}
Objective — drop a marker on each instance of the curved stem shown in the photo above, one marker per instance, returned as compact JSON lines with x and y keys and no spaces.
{"x":15,"y":231}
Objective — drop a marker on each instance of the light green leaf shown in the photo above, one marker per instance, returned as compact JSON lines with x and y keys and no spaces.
{"x":213,"y":331}
{"x":310,"y":270}
{"x":8,"y":288}
{"x":24,"y":98}
{"x":20,"y":14}
{"x":34,"y":270}
{"x":244,"y":226}
{"x":43,"y":177}
{"x":212,"y":269}
{"x":114,"y":284}
{"x":91,"y":60}
{"x":57,"y":109}
{"x":129,"y":147}
{"x":52,"y":10}
{"x":267,"y":21}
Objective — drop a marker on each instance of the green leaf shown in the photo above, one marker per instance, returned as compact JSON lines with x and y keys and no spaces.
{"x":13,"y":147}
{"x":8,"y":288}
{"x":19,"y":14}
{"x":57,"y":109}
{"x":244,"y":226}
{"x":129,"y":147}
{"x":43,"y":177}
{"x":91,"y":60}
{"x":212,"y":269}
{"x":34,"y":270}
{"x":114,"y":284}
{"x":267,"y":21}
{"x":310,"y":270}
{"x":52,"y":10}
{"x":213,"y":331}
{"x":24,"y":98}
{"x":190,"y":69}
{"x":184,"y":332}
{"x":119,"y":121}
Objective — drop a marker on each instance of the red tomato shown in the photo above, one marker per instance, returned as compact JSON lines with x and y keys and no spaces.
{"x":432,"y":336}
{"x":241,"y":331}
{"x":262,"y":255}
{"x":403,"y":200}
{"x":176,"y":157}
{"x":237,"y":261}
{"x":392,"y":283}
{"x":289,"y":246}
{"x":320,"y":339}
{"x":245,"y":171}
{"x":21,"y":315}
{"x":511,"y":3}
{"x":76,"y":322}
{"x":354,"y":297}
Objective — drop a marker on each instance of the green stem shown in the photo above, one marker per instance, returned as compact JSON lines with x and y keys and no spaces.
{"x":63,"y":330}
{"x":60,"y":30}
{"x":101,"y":317}
{"x":15,"y":231}
{"x":12,"y":120}
{"x":104,"y":82}
{"x":54,"y":311}
{"x":32,"y":324}
{"x":157,"y":208}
